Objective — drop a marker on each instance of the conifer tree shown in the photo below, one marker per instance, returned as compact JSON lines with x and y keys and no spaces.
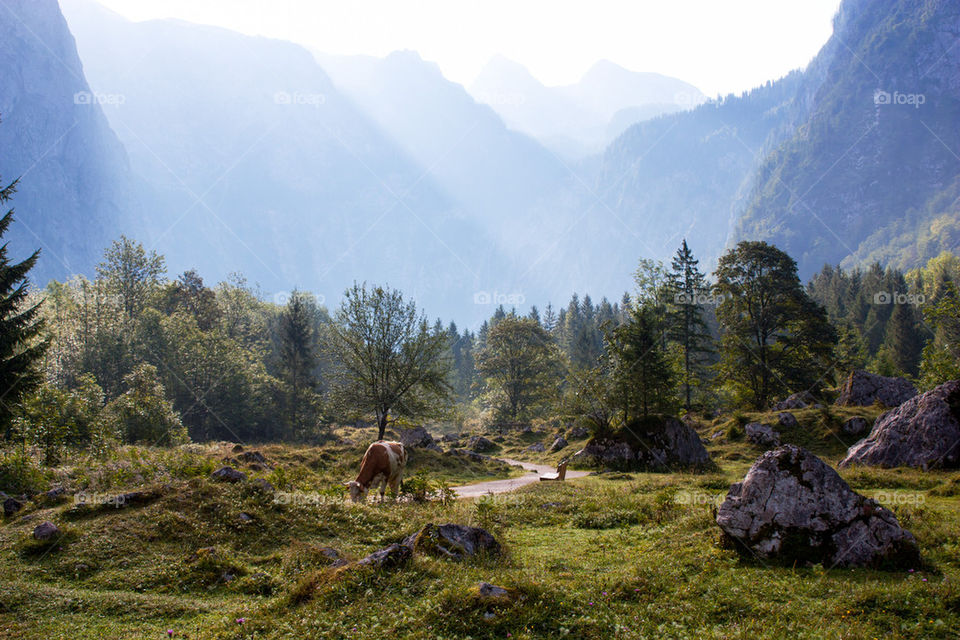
{"x":21,"y":347}
{"x":686,"y":325}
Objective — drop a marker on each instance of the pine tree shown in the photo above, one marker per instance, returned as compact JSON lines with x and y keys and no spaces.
{"x":686,"y":325}
{"x":642,"y":376}
{"x":903,"y":341}
{"x":21,"y":347}
{"x":297,"y":360}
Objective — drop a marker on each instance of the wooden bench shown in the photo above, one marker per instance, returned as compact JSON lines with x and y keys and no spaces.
{"x":559,"y":475}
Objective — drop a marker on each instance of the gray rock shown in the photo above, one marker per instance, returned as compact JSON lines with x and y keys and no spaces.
{"x":761,"y":434}
{"x":449,"y":438}
{"x":787,"y":420}
{"x":45,"y":531}
{"x":480,"y":444}
{"x":558,"y":444}
{"x":263,"y":485}
{"x":856,"y":426}
{"x":228,"y":474}
{"x":388,"y":557}
{"x":237,"y":448}
{"x":491,"y":591}
{"x":799,"y":400}
{"x":671,"y":444}
{"x":11,"y":506}
{"x":416,"y":437}
{"x":536,"y":447}
{"x":862,"y":389}
{"x":245,"y":517}
{"x":922,"y":432}
{"x":453,"y":541}
{"x":792,"y":507}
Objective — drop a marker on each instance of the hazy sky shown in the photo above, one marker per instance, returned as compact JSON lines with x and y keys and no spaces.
{"x":721,"y":46}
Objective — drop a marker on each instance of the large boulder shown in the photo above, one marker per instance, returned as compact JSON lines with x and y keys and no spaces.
{"x":922,"y":432}
{"x":536,"y":447}
{"x":664,"y":443}
{"x":792,"y":507}
{"x":480,"y":444}
{"x":761,"y":434}
{"x":10,"y":505}
{"x":416,"y":438}
{"x":453,"y":541}
{"x":558,"y":444}
{"x":799,"y":400}
{"x":863,"y":388}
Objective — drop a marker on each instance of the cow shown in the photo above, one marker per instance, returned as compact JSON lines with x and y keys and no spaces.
{"x":383,"y":465}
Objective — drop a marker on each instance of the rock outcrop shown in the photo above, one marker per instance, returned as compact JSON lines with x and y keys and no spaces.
{"x":453,"y":541}
{"x":668,"y":444}
{"x":792,"y":507}
{"x":480,"y":444}
{"x":922,"y":432}
{"x":863,"y":388}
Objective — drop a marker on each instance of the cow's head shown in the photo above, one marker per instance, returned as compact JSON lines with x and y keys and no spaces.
{"x":358,"y":492}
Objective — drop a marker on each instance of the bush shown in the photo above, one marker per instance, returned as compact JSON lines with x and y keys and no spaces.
{"x":143,"y":413}
{"x":20,"y":473}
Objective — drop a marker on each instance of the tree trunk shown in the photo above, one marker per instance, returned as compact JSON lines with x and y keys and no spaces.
{"x":381,"y":424}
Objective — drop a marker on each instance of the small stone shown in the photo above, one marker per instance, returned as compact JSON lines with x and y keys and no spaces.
{"x":480,"y":444}
{"x":558,"y":444}
{"x":856,"y":426}
{"x":388,"y":557}
{"x":237,"y":448}
{"x":228,"y":474}
{"x":787,"y":420}
{"x":487,"y":590}
{"x":761,"y":434}
{"x":11,"y":506}
{"x":45,"y":531}
{"x":263,"y":485}
{"x":536,"y":447}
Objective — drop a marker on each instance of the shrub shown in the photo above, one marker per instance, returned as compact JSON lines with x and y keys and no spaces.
{"x":143,"y":413}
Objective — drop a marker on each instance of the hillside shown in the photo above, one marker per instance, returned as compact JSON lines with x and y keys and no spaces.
{"x":628,"y":555}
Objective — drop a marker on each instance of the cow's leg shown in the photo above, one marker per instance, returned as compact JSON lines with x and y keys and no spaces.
{"x":383,"y":490}
{"x":395,"y":486}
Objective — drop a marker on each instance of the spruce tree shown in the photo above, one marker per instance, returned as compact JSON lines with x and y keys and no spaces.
{"x":298,"y":360}
{"x":21,"y":347}
{"x":686,"y":325}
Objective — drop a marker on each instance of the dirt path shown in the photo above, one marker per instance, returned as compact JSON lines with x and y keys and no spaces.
{"x":502,"y":486}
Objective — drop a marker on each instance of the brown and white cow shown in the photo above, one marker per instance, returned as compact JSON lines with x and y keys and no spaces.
{"x":382,"y":465}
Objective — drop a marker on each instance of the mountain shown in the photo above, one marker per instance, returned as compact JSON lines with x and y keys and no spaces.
{"x":256,"y":162}
{"x":872,"y":172}
{"x":492,"y":171}
{"x":75,"y":191}
{"x":581,"y":118}
{"x":673,"y":177}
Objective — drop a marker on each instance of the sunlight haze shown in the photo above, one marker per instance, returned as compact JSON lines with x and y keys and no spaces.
{"x":719,"y":47}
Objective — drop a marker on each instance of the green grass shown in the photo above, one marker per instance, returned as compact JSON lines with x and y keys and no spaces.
{"x":626,"y":555}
